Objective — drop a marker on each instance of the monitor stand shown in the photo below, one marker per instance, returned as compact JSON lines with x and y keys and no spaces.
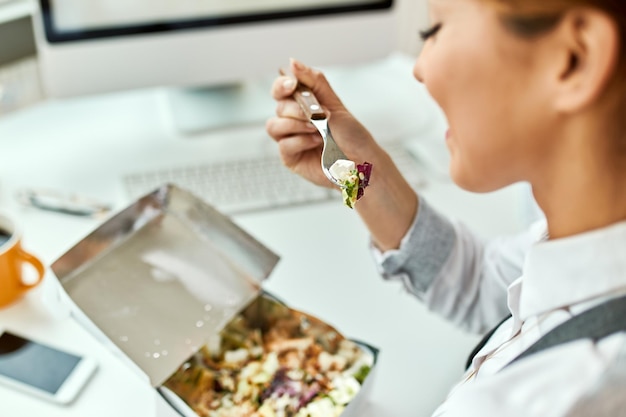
{"x":197,"y":110}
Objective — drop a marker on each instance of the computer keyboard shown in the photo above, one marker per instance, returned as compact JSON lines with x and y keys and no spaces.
{"x":254,"y":184}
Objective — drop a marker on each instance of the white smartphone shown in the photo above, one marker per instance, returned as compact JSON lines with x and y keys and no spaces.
{"x":42,"y":370}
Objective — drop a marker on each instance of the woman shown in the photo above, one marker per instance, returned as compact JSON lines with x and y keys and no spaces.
{"x":534,"y":91}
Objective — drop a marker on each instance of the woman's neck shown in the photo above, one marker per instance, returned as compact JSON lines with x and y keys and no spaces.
{"x":585,"y":186}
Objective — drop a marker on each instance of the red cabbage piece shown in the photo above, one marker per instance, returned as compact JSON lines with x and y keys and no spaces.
{"x":365,"y":172}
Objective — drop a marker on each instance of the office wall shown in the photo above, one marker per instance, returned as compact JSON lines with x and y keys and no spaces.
{"x":412,"y":17}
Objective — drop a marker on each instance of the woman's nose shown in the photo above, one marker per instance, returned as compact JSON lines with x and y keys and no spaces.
{"x":417,"y":68}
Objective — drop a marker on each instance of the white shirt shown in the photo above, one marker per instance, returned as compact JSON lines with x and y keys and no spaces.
{"x":559,"y":278}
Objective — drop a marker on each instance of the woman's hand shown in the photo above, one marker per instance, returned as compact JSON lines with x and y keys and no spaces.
{"x":299,"y":143}
{"x":389,"y":204}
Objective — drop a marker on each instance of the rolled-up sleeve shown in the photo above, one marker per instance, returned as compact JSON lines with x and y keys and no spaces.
{"x":457,"y":274}
{"x":422,"y":253}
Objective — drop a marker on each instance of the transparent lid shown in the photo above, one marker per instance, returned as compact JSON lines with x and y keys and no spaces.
{"x":163,"y":276}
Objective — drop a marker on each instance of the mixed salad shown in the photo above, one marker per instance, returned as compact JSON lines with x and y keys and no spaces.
{"x":282,"y":363}
{"x":353,"y":177}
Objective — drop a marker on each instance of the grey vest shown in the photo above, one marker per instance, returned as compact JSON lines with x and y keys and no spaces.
{"x":595,"y":323}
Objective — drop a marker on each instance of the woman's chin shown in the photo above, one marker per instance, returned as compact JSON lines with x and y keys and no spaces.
{"x":472,"y":183}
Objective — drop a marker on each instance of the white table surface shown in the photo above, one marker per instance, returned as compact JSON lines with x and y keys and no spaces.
{"x":85,"y":145}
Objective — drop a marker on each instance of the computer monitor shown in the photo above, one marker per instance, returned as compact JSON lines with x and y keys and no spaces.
{"x":214,"y":54}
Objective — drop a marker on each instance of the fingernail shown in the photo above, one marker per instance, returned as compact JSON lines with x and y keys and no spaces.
{"x":289,"y":83}
{"x":297,"y":64}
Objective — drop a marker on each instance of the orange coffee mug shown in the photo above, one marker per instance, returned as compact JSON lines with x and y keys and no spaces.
{"x":13,"y":263}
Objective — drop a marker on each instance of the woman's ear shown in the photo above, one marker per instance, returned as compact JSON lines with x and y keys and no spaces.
{"x":588,"y":43}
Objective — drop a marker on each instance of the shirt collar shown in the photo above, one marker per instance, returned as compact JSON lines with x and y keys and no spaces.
{"x":564,"y":272}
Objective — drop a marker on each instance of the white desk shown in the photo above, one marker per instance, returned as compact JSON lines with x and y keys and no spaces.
{"x":85,"y":145}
